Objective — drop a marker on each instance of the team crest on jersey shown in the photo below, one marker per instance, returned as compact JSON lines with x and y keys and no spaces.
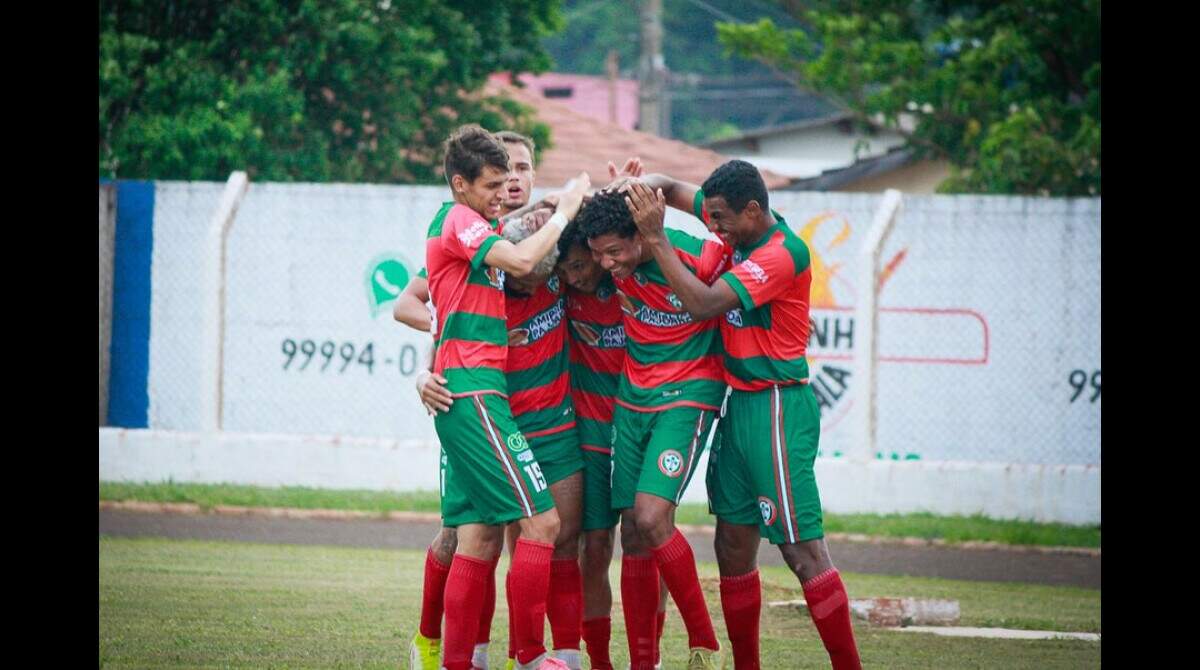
{"x":552,"y":283}
{"x":734,"y":317}
{"x":738,"y":256}
{"x":639,"y":278}
{"x":517,"y":442}
{"x":675,"y":301}
{"x":603,"y":293}
{"x":670,"y":463}
{"x":767,"y":509}
{"x":496,"y":277}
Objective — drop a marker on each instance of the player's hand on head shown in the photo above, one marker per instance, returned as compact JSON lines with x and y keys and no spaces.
{"x":649,"y":208}
{"x":431,"y":387}
{"x":533,"y":221}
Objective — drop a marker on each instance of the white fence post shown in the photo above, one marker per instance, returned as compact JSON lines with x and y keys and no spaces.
{"x":213,"y":328}
{"x":866,"y":326}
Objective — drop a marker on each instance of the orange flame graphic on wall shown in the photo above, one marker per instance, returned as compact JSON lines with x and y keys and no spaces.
{"x":821,"y":293}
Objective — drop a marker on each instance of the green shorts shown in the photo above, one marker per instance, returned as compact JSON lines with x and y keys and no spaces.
{"x":557,"y":454}
{"x":595,"y":442}
{"x":656,"y":452}
{"x":491,"y":475}
{"x":761,"y":470}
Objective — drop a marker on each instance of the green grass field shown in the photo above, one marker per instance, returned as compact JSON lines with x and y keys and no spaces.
{"x":927,"y":526}
{"x":193,"y":604}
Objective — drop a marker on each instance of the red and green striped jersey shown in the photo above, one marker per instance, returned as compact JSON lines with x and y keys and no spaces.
{"x":472,"y":341}
{"x":597,"y":346}
{"x":538,"y":383}
{"x":673,"y":360}
{"x":766,"y":338}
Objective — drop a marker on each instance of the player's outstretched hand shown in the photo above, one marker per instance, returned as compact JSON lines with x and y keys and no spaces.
{"x":632,"y":169}
{"x":572,"y":199}
{"x":434,"y":395}
{"x":649,"y":209}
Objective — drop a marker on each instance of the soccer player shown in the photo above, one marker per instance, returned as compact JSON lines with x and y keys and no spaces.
{"x":666,"y":402}
{"x":410,"y":309}
{"x":760,"y":479}
{"x":466,"y":261}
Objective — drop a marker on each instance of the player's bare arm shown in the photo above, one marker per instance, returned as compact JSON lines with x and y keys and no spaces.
{"x":410,"y":307}
{"x":649,"y":210}
{"x":519,"y":259}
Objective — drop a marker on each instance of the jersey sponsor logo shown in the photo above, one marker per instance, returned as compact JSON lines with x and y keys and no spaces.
{"x":734,"y":317}
{"x":518,"y":337}
{"x":767,"y":509}
{"x":670,"y":463}
{"x":516,"y":442}
{"x":672,"y":393}
{"x":755,"y":270}
{"x":475,"y":232}
{"x":660,"y":319}
{"x":610,"y":337}
{"x":536,"y":328}
{"x":675,"y":301}
{"x":525,"y":456}
{"x":626,"y":303}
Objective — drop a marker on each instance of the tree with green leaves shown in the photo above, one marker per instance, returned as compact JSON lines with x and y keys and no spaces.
{"x":306,"y":90}
{"x":1008,"y":91}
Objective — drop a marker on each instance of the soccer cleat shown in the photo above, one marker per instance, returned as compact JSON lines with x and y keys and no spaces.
{"x":479,"y":659}
{"x":571,"y":657}
{"x":424,"y":653}
{"x":543,"y":662}
{"x":700,"y":658}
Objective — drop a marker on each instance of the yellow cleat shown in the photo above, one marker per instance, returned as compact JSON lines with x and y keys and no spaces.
{"x":700,"y":658}
{"x":425,"y":653}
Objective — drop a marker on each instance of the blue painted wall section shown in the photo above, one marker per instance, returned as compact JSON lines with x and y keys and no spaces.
{"x":128,"y":397}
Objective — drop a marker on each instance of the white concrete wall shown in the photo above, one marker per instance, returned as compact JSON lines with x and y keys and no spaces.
{"x":990,"y":306}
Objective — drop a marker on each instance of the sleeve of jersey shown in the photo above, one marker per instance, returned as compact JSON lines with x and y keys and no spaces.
{"x":698,"y":206}
{"x":468,"y":238}
{"x":766,"y":275}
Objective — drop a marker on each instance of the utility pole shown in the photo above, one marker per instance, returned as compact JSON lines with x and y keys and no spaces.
{"x":654,"y":109}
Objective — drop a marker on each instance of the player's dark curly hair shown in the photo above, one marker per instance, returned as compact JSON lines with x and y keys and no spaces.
{"x":606,"y":213}
{"x":738,"y":182}
{"x":470,"y":148}
{"x":571,"y":236}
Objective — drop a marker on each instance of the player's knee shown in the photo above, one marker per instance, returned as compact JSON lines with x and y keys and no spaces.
{"x":542,"y":527}
{"x":653,"y":524}
{"x":444,"y":545}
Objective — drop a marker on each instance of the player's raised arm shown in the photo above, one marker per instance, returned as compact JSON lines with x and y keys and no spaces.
{"x":519,"y":259}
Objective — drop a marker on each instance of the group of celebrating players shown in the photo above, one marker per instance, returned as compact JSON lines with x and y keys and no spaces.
{"x":585,"y":357}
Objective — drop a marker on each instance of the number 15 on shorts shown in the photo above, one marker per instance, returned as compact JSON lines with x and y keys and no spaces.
{"x":534,"y":470}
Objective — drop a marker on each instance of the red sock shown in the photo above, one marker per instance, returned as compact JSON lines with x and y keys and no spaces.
{"x":464,"y":601}
{"x":565,"y":608}
{"x":677,"y":563}
{"x":530,"y":584}
{"x":741,"y":600}
{"x":433,"y":596}
{"x":489,"y":606}
{"x":639,"y":600}
{"x":596,"y":633}
{"x":660,"y":622}
{"x":830,"y":610}
{"x":512,"y":638}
